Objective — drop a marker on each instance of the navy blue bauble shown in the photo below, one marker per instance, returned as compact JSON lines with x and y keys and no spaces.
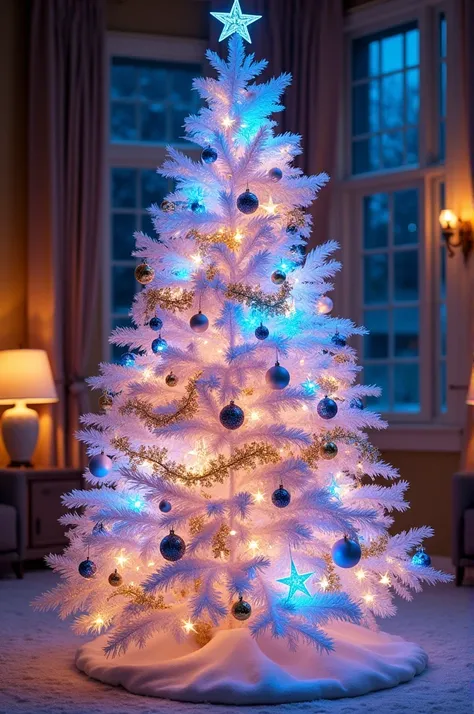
{"x":172,"y":547}
{"x":156,"y":324}
{"x":338,"y":340}
{"x":277,"y":377}
{"x":346,"y":553}
{"x":356,"y":403}
{"x":128,"y":359}
{"x":292,"y":228}
{"x":164,"y":506}
{"x":197,"y":207}
{"x":100,"y":465}
{"x":278,"y":277}
{"x":281,"y":497}
{"x":159,"y":345}
{"x":241,"y":609}
{"x":231,"y":416}
{"x":262,"y":332}
{"x":327,"y":408}
{"x":421,"y":558}
{"x":209,"y":155}
{"x":328,"y":450}
{"x":87,"y":568}
{"x":199,"y":322}
{"x":247,"y":202}
{"x":275,"y":174}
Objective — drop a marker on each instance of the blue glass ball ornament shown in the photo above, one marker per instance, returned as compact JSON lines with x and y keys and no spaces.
{"x":197,"y":207}
{"x":338,"y":340}
{"x":87,"y":568}
{"x":247,"y":202}
{"x":262,"y":332}
{"x":209,"y":155}
{"x":199,"y":322}
{"x":241,"y":609}
{"x":356,"y":403}
{"x":278,"y":277}
{"x":421,"y":558}
{"x":275,"y":174}
{"x":346,"y":553}
{"x":100,"y":465}
{"x":156,"y":323}
{"x":159,"y":345}
{"x":128,"y":359}
{"x":231,"y":416}
{"x":328,"y":450}
{"x":164,"y":506}
{"x":172,"y":547}
{"x":277,"y":377}
{"x":327,"y":408}
{"x":281,"y":497}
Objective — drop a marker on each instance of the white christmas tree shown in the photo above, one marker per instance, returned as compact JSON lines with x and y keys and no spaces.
{"x":231,"y":482}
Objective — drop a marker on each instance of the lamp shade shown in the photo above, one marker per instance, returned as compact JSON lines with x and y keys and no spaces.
{"x":470,"y":391}
{"x":25,"y":375}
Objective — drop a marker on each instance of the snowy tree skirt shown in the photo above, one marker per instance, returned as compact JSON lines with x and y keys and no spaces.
{"x":233,"y":668}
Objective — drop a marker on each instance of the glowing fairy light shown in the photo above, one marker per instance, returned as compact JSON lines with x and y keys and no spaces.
{"x":121,"y":560}
{"x":304,"y":407}
{"x":253,"y":546}
{"x":369,"y":598}
{"x":324,"y":583}
{"x":99,"y":622}
{"x":258,"y":497}
{"x":188,"y":626}
{"x":138,"y":504}
{"x":227,"y":122}
{"x":254,"y":415}
{"x":385,"y":580}
{"x":270,"y":207}
{"x":238,"y":236}
{"x":302,"y":361}
{"x":151,"y":563}
{"x":360,"y":574}
{"x":233,"y":533}
{"x":147,"y":374}
{"x":196,"y":258}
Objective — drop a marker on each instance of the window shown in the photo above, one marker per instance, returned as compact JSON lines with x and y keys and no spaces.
{"x":393,"y":187}
{"x":149,"y":95}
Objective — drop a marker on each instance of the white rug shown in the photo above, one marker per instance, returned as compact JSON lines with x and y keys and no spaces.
{"x":38,"y":676}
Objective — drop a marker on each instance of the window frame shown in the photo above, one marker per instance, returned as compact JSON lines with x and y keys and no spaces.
{"x":133,"y":155}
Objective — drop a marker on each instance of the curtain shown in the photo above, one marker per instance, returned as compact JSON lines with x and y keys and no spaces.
{"x":303,"y":37}
{"x":65,"y":177}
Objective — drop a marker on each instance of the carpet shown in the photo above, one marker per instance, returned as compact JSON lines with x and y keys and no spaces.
{"x":38,"y":676}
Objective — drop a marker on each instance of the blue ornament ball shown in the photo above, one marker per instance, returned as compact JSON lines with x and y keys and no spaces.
{"x":327,"y":408}
{"x":231,"y":416}
{"x":346,"y":553}
{"x":159,"y":345}
{"x":292,"y":228}
{"x":281,"y":497}
{"x":197,"y":207}
{"x":209,"y":155}
{"x":247,"y":202}
{"x":156,"y":323}
{"x":87,"y":568}
{"x":277,"y":377}
{"x":421,"y":558}
{"x":275,"y":174}
{"x":128,"y":359}
{"x":199,"y":322}
{"x":100,"y":465}
{"x":278,"y":277}
{"x":172,"y":547}
{"x":356,"y":403}
{"x":262,"y":332}
{"x":338,"y":340}
{"x":164,"y":506}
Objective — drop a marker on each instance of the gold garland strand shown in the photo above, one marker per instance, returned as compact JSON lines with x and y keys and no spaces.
{"x":375,"y":548}
{"x":138,"y":596}
{"x":270,"y":303}
{"x":223,"y":235}
{"x":172,"y":299}
{"x":187,"y":407}
{"x":333,"y":580}
{"x":311,"y":454}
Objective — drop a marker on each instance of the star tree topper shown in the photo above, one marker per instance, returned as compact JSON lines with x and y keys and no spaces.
{"x":235,"y":21}
{"x":295,"y":581}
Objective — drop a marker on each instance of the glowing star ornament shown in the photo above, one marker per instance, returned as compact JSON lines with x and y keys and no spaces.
{"x":296,"y":581}
{"x":235,"y":22}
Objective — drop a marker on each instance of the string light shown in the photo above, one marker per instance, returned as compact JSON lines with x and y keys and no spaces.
{"x":270,"y":207}
{"x":121,"y":560}
{"x":196,"y":258}
{"x":368,"y":597}
{"x":254,"y":415}
{"x":385,"y":580}
{"x":253,"y":546}
{"x":258,"y":497}
{"x":360,"y":574}
{"x":233,"y":533}
{"x":238,"y":236}
{"x":147,"y":374}
{"x":151,"y":563}
{"x":324,"y":583}
{"x":188,"y":626}
{"x":227,"y":122}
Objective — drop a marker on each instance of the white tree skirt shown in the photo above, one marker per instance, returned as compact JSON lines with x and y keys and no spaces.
{"x":233,"y":668}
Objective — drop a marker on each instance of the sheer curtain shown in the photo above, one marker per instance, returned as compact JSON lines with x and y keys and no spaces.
{"x":65,"y":147}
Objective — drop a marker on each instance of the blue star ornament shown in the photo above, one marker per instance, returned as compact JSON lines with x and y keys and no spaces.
{"x":296,"y":581}
{"x":235,"y":21}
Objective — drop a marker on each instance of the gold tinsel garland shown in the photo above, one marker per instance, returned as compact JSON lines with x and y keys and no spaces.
{"x":202,"y":633}
{"x":296,"y":217}
{"x":220,"y":547}
{"x":223,"y":235}
{"x":367,"y":452}
{"x":334,"y":582}
{"x":186,"y":408}
{"x":172,"y":299}
{"x":216,"y":470}
{"x":376,"y":547}
{"x":139,"y":597}
{"x":270,"y":303}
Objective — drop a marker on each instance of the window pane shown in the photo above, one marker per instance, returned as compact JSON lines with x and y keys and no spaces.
{"x":365,"y":115}
{"x":405,"y":216}
{"x":392,"y":100}
{"x":412,"y":96}
{"x":377,"y":374}
{"x":123,"y":188}
{"x":442,"y":328}
{"x":392,"y":53}
{"x":123,"y":288}
{"x":123,"y":125}
{"x":406,"y":330}
{"x":442,"y":287}
{"x":442,"y":89}
{"x":153,"y":187}
{"x":375,"y":278}
{"x":392,"y":149}
{"x":405,"y":278}
{"x":152,"y":82}
{"x":412,"y":48}
{"x":376,"y":342}
{"x":123,"y":78}
{"x":366,"y":58}
{"x":365,"y":155}
{"x":147,"y":225}
{"x":376,"y":220}
{"x":406,"y":388}
{"x":123,"y":227}
{"x":411,"y":138}
{"x":153,"y":122}
{"x":442,"y":35}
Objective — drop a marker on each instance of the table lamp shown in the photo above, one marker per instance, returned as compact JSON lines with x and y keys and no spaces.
{"x":25,"y":376}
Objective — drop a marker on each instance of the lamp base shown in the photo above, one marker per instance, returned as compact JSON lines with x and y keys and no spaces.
{"x":20,"y":464}
{"x":20,"y":428}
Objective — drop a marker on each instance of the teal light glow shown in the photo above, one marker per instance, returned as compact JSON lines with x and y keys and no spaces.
{"x":295,"y":581}
{"x":235,"y":22}
{"x":309,"y":386}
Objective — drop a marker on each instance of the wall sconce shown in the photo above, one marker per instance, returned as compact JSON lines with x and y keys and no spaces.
{"x":452,"y":225}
